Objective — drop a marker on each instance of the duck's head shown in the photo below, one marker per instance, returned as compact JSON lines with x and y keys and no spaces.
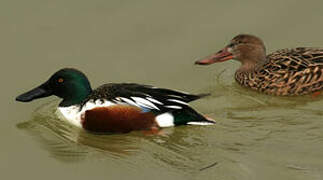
{"x":247,"y":49}
{"x":69,"y":84}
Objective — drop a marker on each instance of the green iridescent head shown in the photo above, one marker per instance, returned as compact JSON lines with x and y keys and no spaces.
{"x":69,"y":84}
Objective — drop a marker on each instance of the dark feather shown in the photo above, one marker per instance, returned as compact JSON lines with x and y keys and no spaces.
{"x":112,"y":91}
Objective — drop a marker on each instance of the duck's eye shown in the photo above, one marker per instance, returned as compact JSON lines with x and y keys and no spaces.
{"x":231,"y":45}
{"x":60,"y":80}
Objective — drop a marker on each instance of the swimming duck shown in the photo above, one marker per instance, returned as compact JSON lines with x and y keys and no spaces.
{"x":116,"y":108}
{"x":285,"y":72}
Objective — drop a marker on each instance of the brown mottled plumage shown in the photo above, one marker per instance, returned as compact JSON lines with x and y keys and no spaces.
{"x":295,"y":71}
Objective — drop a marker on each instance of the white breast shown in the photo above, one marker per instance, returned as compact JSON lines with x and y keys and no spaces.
{"x":73,"y":114}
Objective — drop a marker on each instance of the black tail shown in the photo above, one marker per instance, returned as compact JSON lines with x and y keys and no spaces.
{"x":191,"y":117}
{"x":193,"y":97}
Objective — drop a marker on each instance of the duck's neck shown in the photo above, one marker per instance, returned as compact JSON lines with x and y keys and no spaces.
{"x":76,"y":97}
{"x":248,"y":71}
{"x":252,"y":64}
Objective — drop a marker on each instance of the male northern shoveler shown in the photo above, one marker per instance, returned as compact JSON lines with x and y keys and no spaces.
{"x":116,"y":107}
{"x":296,"y":71}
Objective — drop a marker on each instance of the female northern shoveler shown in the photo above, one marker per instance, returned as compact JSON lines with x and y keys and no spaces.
{"x":296,"y":71}
{"x":116,"y":107}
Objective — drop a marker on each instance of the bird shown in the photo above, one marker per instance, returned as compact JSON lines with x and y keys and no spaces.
{"x":285,"y":72}
{"x":116,"y":107}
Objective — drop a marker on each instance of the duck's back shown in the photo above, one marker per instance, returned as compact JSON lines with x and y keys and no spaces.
{"x":112,"y":90}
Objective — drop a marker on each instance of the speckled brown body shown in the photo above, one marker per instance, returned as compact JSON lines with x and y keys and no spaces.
{"x":287,"y":72}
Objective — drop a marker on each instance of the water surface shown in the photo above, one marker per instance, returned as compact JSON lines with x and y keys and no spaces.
{"x":156,"y":42}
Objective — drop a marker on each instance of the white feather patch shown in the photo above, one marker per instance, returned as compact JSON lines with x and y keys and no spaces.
{"x":128,"y":101}
{"x":144,"y":102}
{"x":177,"y":101}
{"x":165,"y":120}
{"x":154,"y":101}
{"x":175,"y":96}
{"x":201,"y":123}
{"x":173,"y":107}
{"x":70,"y":114}
{"x":73,"y":113}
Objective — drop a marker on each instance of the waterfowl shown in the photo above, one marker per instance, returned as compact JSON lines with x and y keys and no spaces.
{"x":116,"y":108}
{"x":286,"y":72}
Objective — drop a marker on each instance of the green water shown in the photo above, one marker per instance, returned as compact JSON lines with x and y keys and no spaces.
{"x":156,"y":42}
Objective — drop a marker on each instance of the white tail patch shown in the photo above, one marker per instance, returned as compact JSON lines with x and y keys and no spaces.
{"x":202,"y":123}
{"x":144,"y":102}
{"x":177,"y":101}
{"x":165,"y":120}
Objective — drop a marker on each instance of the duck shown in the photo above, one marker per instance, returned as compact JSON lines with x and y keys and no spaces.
{"x":285,"y":72}
{"x":116,"y":107}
